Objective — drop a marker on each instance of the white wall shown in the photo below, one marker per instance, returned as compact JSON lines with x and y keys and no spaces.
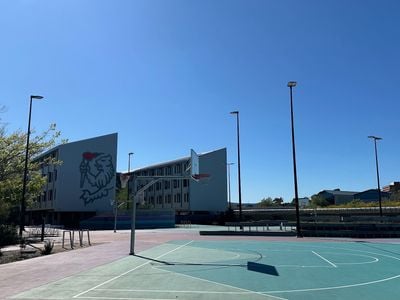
{"x":87,"y":182}
{"x":211,"y":196}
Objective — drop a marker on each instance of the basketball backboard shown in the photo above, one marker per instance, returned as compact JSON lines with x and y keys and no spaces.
{"x":194,"y":163}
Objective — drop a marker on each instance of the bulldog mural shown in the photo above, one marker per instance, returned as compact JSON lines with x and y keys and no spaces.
{"x":97,"y":172}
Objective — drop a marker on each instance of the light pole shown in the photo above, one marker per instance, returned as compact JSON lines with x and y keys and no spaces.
{"x":229,"y":184}
{"x":292,"y":84}
{"x":127,"y":186}
{"x":238,"y":152}
{"x":24,"y":182}
{"x":375,"y":138}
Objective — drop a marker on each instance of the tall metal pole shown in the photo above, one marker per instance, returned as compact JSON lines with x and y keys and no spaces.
{"x":133,"y":224}
{"x":25,"y":178}
{"x":292,"y":84}
{"x":375,"y":138}
{"x":229,"y":184}
{"x":238,"y":152}
{"x":129,"y":170}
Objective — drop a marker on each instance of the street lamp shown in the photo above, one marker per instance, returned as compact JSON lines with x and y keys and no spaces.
{"x":24,"y":182}
{"x":291,"y":85}
{"x":375,"y":138}
{"x":229,"y":184}
{"x":238,"y":152}
{"x":129,"y":170}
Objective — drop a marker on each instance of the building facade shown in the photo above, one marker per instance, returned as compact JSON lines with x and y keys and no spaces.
{"x":173,"y":188}
{"x":337,"y":196}
{"x":371,"y":195}
{"x":393,"y":187}
{"x":82,"y":185}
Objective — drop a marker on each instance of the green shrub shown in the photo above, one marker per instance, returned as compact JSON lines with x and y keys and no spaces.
{"x":48,"y":247}
{"x":8,"y":235}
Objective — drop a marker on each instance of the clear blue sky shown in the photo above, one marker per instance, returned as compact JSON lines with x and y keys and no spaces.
{"x":165,"y":75}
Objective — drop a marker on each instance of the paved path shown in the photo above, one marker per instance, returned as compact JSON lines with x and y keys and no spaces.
{"x":107,"y":247}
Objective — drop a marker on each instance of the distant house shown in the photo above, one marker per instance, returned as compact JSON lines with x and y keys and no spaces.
{"x":337,"y":196}
{"x":303,"y":202}
{"x":392,"y":187}
{"x":371,"y":195}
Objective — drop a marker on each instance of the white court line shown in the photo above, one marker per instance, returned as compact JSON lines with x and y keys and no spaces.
{"x":121,"y":298}
{"x":180,"y":292}
{"x":335,"y":287}
{"x":223,"y":284}
{"x":129,"y":271}
{"x":323,"y":258}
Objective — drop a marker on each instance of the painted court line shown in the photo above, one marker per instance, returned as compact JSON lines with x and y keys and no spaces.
{"x":122,"y":298}
{"x":335,"y":287}
{"x":323,"y":258}
{"x":129,"y":271}
{"x":224,"y":285}
{"x":180,"y":292}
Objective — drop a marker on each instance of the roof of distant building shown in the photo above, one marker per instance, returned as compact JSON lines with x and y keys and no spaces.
{"x":339,"y":192}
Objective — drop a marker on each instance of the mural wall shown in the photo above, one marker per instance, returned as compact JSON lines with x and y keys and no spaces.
{"x":87,"y":175}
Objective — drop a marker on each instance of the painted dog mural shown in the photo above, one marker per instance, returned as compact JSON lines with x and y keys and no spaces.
{"x":97,"y":172}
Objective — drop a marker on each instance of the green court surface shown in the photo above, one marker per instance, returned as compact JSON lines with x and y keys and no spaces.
{"x":240,"y":270}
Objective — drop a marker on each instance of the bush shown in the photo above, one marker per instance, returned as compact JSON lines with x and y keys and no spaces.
{"x":8,"y":235}
{"x":48,"y":247}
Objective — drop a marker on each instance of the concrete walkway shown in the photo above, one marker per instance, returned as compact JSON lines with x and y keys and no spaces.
{"x":107,"y":246}
{"x":27,"y":274}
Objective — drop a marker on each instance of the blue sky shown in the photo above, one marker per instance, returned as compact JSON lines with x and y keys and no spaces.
{"x":165,"y":75}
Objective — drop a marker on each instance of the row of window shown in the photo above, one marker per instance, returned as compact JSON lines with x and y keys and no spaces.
{"x":49,"y":195}
{"x":53,"y":155}
{"x":176,"y":169}
{"x":167,"y":199}
{"x":51,"y":176}
{"x":176,"y":183}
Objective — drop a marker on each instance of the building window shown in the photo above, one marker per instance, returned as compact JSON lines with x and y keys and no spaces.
{"x":44,"y":196}
{"x":176,"y":183}
{"x":160,"y":172}
{"x":55,"y":175}
{"x":185,"y":182}
{"x":178,"y":198}
{"x":168,"y":170}
{"x":168,"y":198}
{"x":50,"y":177}
{"x":50,"y":195}
{"x":178,"y":169}
{"x":186,"y":197}
{"x":167,"y":185}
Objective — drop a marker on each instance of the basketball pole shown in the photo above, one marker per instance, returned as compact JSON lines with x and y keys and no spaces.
{"x":133,"y":225}
{"x":193,"y":168}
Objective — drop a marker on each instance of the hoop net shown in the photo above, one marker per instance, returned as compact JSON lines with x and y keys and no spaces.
{"x":124,"y":180}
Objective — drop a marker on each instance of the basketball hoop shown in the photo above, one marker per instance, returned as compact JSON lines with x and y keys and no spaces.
{"x":201,"y":178}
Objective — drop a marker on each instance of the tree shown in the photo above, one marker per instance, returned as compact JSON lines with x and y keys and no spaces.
{"x":12,"y":159}
{"x":265,"y":202}
{"x":278,"y":201}
{"x":318,"y":201}
{"x":395,"y":196}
